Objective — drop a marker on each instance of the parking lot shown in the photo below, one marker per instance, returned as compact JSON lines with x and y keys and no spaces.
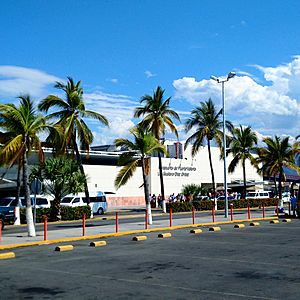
{"x":249,"y":263}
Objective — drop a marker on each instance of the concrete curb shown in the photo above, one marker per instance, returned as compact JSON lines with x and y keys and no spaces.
{"x":105,"y":235}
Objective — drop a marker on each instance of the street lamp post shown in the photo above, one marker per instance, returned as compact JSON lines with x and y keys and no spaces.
{"x":222,"y":80}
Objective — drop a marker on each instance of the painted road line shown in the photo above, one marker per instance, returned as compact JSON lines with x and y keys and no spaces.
{"x":64,"y":248}
{"x":139,"y":238}
{"x":98,"y":244}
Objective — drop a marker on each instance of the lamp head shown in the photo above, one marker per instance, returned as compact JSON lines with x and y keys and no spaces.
{"x":214,"y":78}
{"x":231,"y":75}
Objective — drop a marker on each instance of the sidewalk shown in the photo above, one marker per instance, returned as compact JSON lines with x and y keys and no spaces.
{"x":74,"y":232}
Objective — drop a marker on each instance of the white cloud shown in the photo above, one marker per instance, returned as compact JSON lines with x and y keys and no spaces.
{"x":112,"y":80}
{"x":272,"y":108}
{"x":149,"y":74}
{"x":16,"y":80}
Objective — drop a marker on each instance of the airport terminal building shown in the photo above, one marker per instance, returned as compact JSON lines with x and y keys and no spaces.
{"x":179,"y":169}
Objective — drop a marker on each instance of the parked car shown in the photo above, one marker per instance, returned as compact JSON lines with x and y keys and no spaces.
{"x":199,"y":198}
{"x":97,"y":200}
{"x":259,"y":194}
{"x":41,"y":201}
{"x":228,"y":198}
{"x":7,"y":214}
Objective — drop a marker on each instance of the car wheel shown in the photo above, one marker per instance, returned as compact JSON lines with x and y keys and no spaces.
{"x":100,"y":211}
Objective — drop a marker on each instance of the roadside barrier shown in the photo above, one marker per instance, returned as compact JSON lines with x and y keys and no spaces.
{"x":117,"y":222}
{"x":231,"y":212}
{"x":146,"y":219}
{"x":45,"y":228}
{"x":254,"y":224}
{"x":64,"y":248}
{"x":139,"y":238}
{"x":249,"y":215}
{"x":83,"y":225}
{"x":98,"y":244}
{"x":217,"y":228}
{"x":196,"y":231}
{"x":164,"y":235}
{"x":7,"y":255}
{"x":193,"y":215}
{"x":170,"y":214}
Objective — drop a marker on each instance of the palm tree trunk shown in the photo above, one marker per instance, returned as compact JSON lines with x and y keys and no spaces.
{"x":17,"y":209}
{"x":275,"y":185}
{"x":280,"y":183}
{"x":146,"y":192}
{"x":162,"y":188}
{"x":29,"y":216}
{"x":245,"y":182}
{"x":79,"y":161}
{"x":212,"y":172}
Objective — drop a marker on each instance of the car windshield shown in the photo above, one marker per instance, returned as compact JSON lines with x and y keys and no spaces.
{"x":5,"y":202}
{"x":251,"y":194}
{"x":41,"y":201}
{"x":67,"y":200}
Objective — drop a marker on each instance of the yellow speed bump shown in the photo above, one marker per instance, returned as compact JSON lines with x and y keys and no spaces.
{"x":64,"y":248}
{"x":7,"y":255}
{"x":214,"y":228}
{"x":139,"y":238}
{"x":98,"y":244}
{"x":254,"y":224}
{"x":274,"y":221}
{"x":164,"y":235}
{"x":286,"y":220}
{"x":239,"y":226}
{"x":196,"y":231}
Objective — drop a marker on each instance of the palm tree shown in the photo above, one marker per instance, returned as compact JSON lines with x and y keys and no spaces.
{"x":157,"y":115}
{"x":60,"y":176}
{"x":70,"y":117}
{"x":206,"y":119}
{"x":278,"y":153}
{"x":242,"y":145}
{"x":139,"y":152}
{"x":23,"y":125}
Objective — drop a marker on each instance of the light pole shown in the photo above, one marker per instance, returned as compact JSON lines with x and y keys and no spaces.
{"x":222,"y":80}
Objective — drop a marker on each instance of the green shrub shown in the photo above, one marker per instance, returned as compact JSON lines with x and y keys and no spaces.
{"x":208,"y":204}
{"x":67,"y":213}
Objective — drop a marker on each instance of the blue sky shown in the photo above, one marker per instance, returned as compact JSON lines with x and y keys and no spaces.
{"x":122,"y":50}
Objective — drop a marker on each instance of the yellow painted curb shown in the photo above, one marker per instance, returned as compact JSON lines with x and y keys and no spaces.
{"x":254,"y":224}
{"x":214,"y":228}
{"x":239,"y":226}
{"x":139,"y":238}
{"x":64,"y":248}
{"x":164,"y":235}
{"x":196,"y":231}
{"x":286,"y":220}
{"x":98,"y":244}
{"x":274,"y":221}
{"x":7,"y":255}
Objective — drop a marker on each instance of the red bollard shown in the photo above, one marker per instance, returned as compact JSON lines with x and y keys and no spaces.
{"x":83,"y":225}
{"x":117,"y":222}
{"x":213,"y":214}
{"x":170,"y":216}
{"x":264,"y":211}
{"x":45,"y":228}
{"x":0,"y":230}
{"x":193,"y":215}
{"x":146,"y":219}
{"x":249,"y":215}
{"x":231,"y":212}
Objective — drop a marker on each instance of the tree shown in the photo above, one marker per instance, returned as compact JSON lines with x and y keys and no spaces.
{"x":157,"y":115}
{"x":242,"y":145}
{"x":139,"y":151}
{"x":206,"y":119}
{"x":193,"y":189}
{"x":70,"y":114}
{"x":60,"y":177}
{"x":23,"y":125}
{"x":278,"y":153}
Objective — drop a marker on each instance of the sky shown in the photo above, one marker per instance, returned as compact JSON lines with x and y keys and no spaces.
{"x":122,"y":50}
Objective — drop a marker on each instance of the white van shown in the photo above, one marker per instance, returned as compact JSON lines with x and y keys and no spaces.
{"x":258,"y":195}
{"x":97,"y":199}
